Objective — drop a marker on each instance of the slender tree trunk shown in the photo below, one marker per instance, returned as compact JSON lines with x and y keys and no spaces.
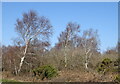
{"x":66,"y":44}
{"x":88,"y":55}
{"x":16,"y":70}
{"x":86,"y":58}
{"x":65,"y":57}
{"x":86,"y":65}
{"x":86,"y":61}
{"x":23,"y":58}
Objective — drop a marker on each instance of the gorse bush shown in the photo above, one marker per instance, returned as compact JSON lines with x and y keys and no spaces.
{"x":117,"y":79}
{"x":104,"y":66}
{"x":46,"y":71}
{"x":116,"y":65}
{"x":106,"y":61}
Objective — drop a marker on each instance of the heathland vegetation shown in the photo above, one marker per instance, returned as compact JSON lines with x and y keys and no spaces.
{"x":75,"y":58}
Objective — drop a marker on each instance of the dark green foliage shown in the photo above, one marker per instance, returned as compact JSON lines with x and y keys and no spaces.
{"x":117,"y":65}
{"x":106,"y":61}
{"x":117,"y":62}
{"x":117,"y":78}
{"x":104,"y":66}
{"x":46,"y":71}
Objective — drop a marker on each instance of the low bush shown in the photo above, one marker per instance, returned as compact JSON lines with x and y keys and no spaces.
{"x":104,"y":66}
{"x":46,"y":71}
{"x":117,"y":79}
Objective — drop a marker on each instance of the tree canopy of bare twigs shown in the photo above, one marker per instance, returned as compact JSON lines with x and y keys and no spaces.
{"x":30,"y":27}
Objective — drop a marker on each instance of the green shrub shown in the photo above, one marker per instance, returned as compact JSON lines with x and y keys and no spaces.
{"x":116,"y":65}
{"x":46,"y":71}
{"x":104,"y":66}
{"x":106,"y":61}
{"x":117,"y":78}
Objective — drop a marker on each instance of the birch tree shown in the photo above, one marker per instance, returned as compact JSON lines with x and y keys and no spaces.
{"x":90,"y":44}
{"x":67,"y":37}
{"x":32,"y":26}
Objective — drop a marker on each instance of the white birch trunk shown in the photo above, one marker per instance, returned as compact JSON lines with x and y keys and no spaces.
{"x":23,"y":58}
{"x":86,"y":59}
{"x":86,"y":65}
{"x":16,"y":70}
{"x":88,"y":55}
{"x":65,"y":52}
{"x":65,"y":58}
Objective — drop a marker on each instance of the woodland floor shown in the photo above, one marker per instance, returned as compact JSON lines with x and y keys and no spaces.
{"x":65,"y":76}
